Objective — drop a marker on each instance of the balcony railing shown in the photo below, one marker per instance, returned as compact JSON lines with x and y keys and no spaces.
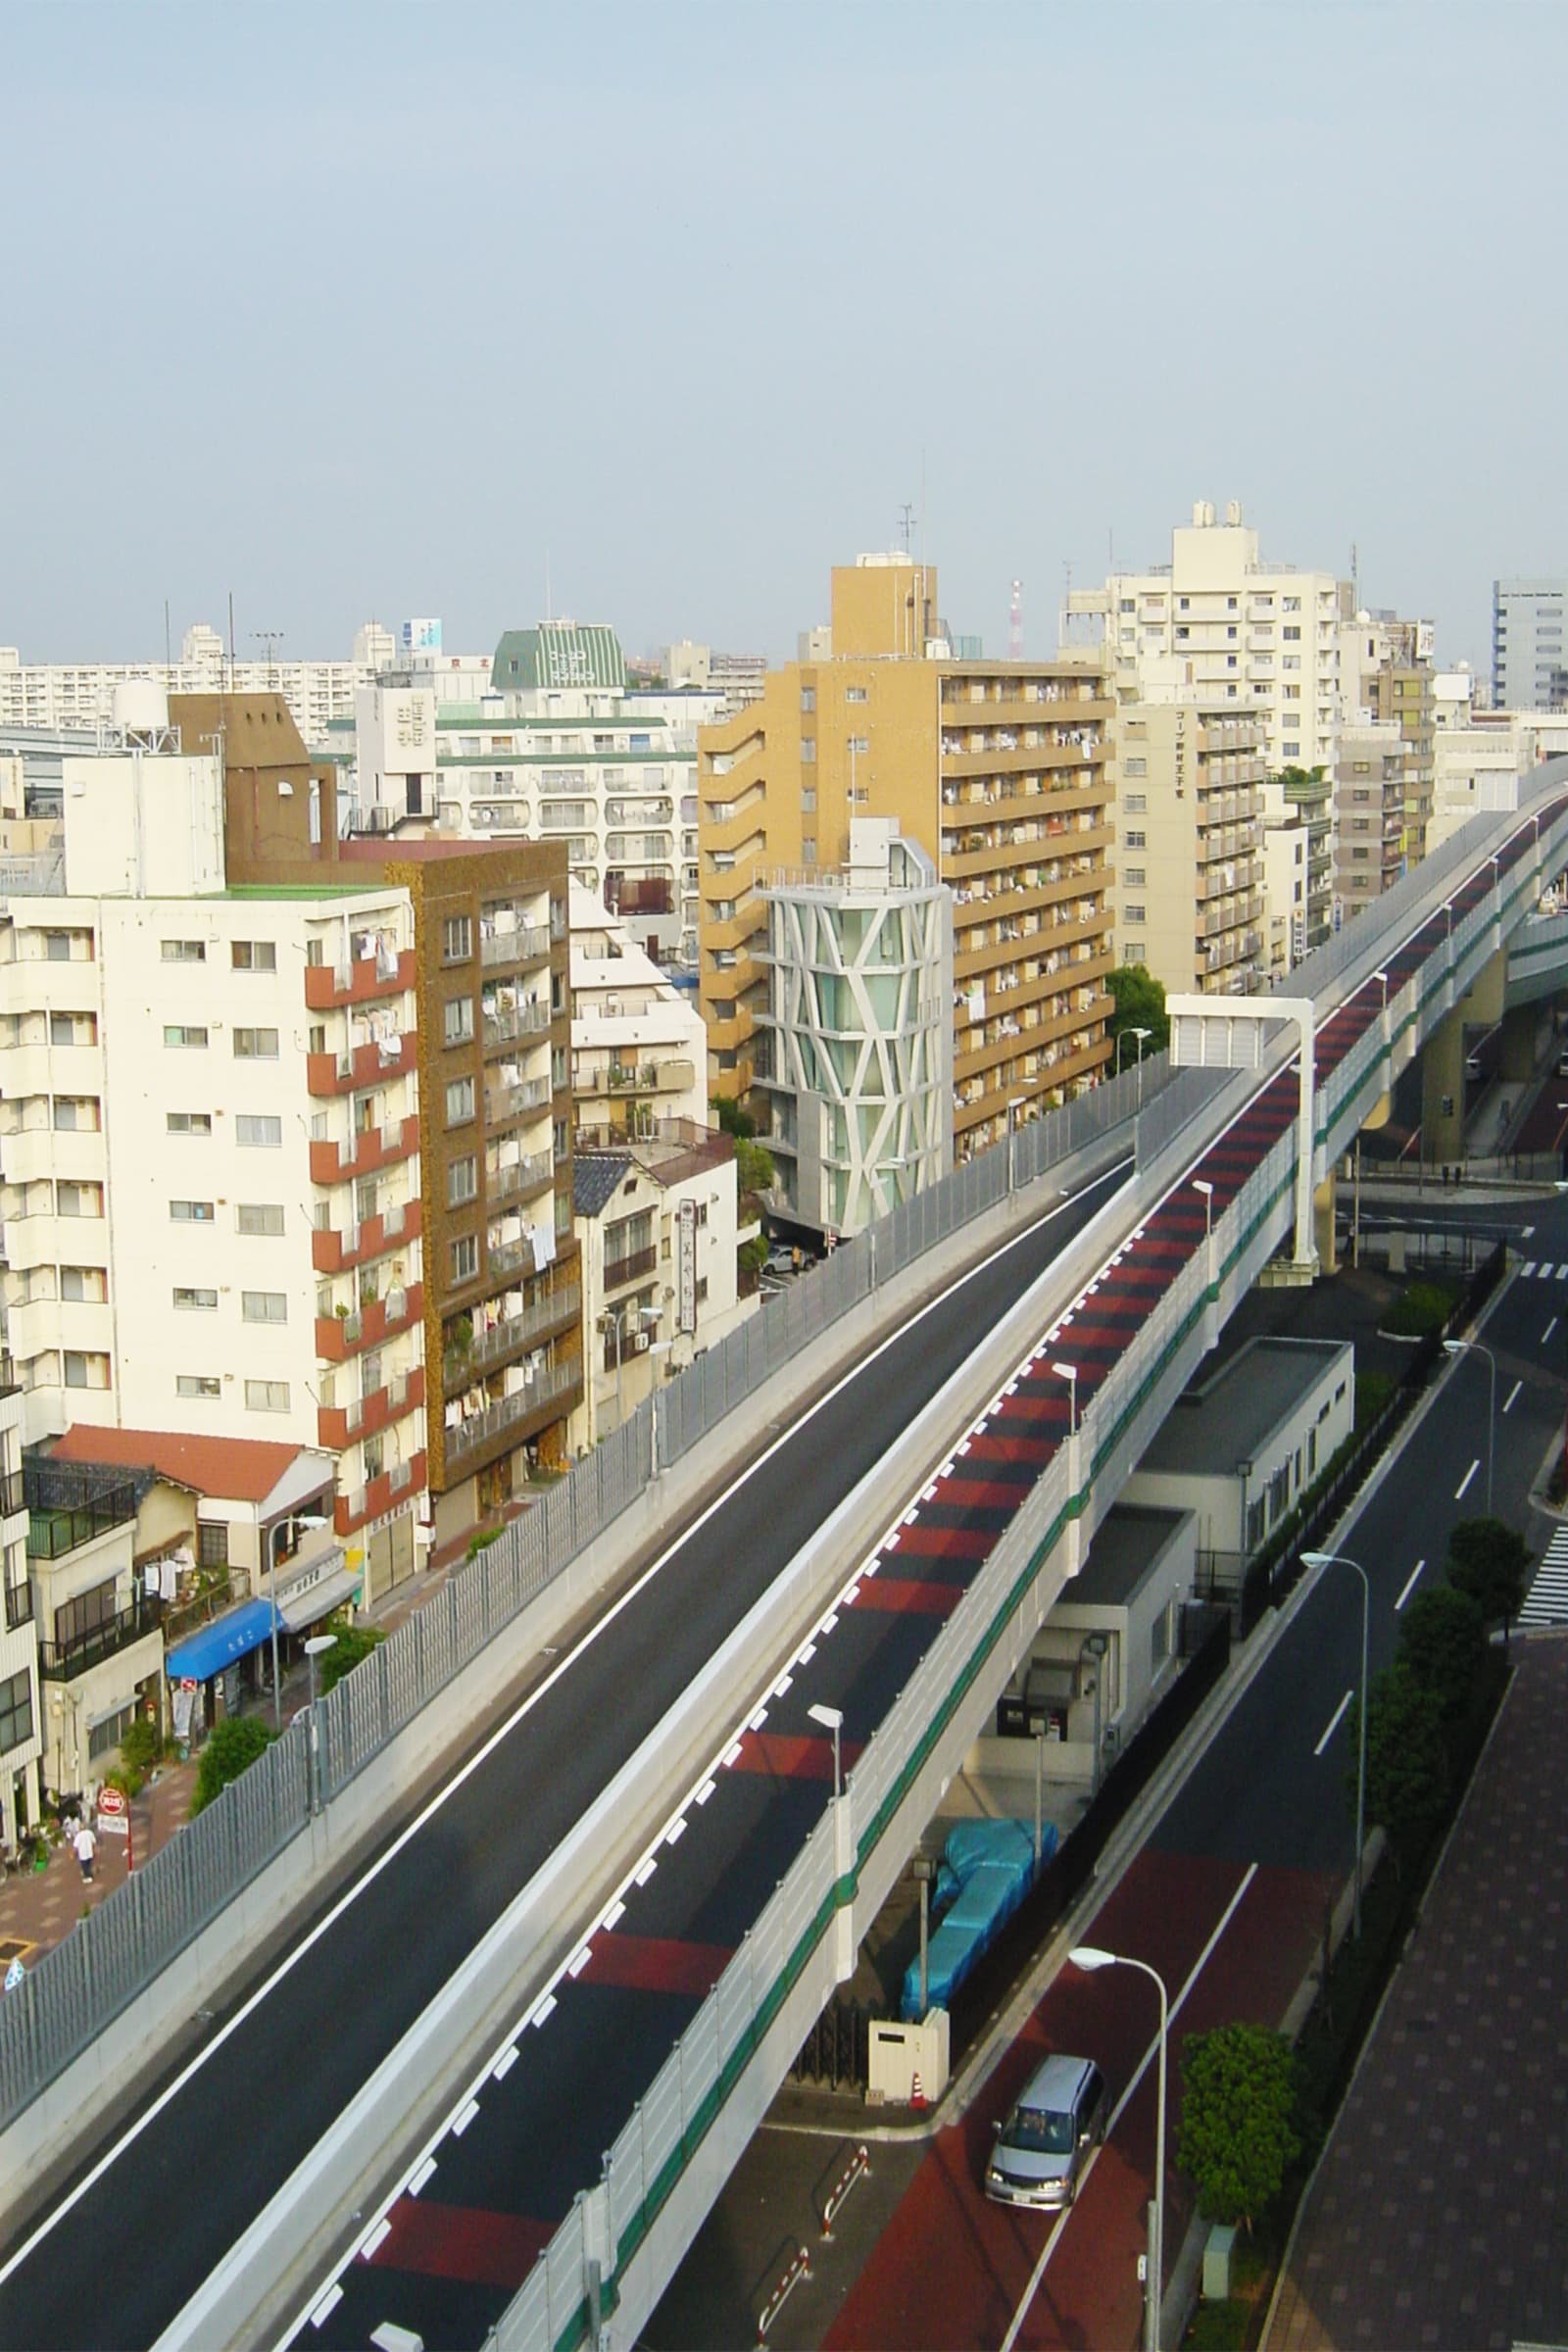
{"x":332,"y":1251}
{"x":503,"y":1028}
{"x":338,"y":1336}
{"x":467,"y":1436}
{"x":512,"y":1101}
{"x":60,"y":1520}
{"x":631,"y":1268}
{"x":63,"y":1661}
{"x":528,"y":944}
{"x":519,"y":1176}
{"x":461,"y":1366}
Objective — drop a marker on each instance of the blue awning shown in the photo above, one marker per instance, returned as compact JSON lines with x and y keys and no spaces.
{"x":219,"y":1644}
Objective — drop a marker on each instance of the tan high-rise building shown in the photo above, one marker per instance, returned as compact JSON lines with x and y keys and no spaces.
{"x":1000,"y":770}
{"x":1188,"y":890}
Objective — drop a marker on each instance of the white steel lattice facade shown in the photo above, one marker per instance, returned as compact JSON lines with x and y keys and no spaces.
{"x":860,"y":1051}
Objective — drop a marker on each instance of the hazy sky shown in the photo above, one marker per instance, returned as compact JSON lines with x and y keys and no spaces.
{"x":378,"y":310}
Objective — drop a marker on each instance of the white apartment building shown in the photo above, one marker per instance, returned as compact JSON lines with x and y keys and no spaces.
{"x":209,"y":1141}
{"x":639,"y":1049}
{"x":81,"y":694}
{"x":555,"y":747}
{"x":1187,"y":898}
{"x":20,"y":1715}
{"x":1261,"y":636}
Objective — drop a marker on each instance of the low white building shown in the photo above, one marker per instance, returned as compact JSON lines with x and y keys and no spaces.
{"x":1241,"y":1448}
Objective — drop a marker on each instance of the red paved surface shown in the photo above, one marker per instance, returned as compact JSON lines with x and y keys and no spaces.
{"x":907,"y":1595}
{"x":461,"y":2241}
{"x":786,"y":1756}
{"x":657,"y":1964}
{"x":952,"y":2268}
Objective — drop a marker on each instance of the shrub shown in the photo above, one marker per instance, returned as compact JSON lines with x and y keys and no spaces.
{"x":1444,"y":1642}
{"x":1372,"y":1392}
{"x":1421,"y":1307}
{"x":1491,"y":1561}
{"x":354,"y":1644}
{"x":232,"y":1747}
{"x":1236,"y":2139}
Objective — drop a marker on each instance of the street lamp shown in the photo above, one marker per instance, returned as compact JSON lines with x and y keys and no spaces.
{"x":1201,"y":1183}
{"x":831,"y":1720}
{"x":1326,"y":1559}
{"x":315,"y":1647}
{"x":1463,"y":1348}
{"x":280,"y":1527}
{"x":1015,"y":1103}
{"x":658,"y":1348}
{"x":1087,"y":1957}
{"x":1122,"y":1035}
{"x":613,"y":1315}
{"x":1069,"y":1373}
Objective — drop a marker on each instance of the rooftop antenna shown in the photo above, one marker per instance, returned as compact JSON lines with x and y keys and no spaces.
{"x":272,"y":639}
{"x":1356,"y":575}
{"x":907,"y":523}
{"x":1067,"y":605}
{"x":1015,"y":623}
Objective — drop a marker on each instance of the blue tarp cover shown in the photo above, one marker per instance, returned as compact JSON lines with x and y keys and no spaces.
{"x":219,"y":1644}
{"x":987,"y":1869}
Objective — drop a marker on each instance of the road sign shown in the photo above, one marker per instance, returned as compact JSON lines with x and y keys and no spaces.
{"x":114,"y":1813}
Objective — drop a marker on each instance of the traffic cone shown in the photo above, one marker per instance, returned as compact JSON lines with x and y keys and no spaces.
{"x":917,"y":2098}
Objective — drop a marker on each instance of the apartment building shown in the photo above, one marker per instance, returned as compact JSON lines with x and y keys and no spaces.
{"x":1369,"y":811}
{"x":1298,"y":869}
{"x":1479,"y":755}
{"x":81,"y":695}
{"x":1188,"y":896}
{"x":860,"y":1025}
{"x":639,"y":1051}
{"x":999,"y":771}
{"x":206,"y":1083}
{"x":556,"y":748}
{"x":1387,"y":674}
{"x":1263,"y":637}
{"x":20,"y":1715}
{"x":100,"y":1638}
{"x":1528,"y":666}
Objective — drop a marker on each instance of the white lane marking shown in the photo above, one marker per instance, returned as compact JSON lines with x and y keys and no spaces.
{"x":1512,"y":1393}
{"x":1333,"y":1722}
{"x":1546,"y":1334}
{"x":1459,"y":1492}
{"x":525,"y":1706}
{"x":375,"y":2242}
{"x":422,"y":2176}
{"x":328,"y":2305}
{"x":674,"y":1837}
{"x":1525,"y":1232}
{"x":1524,"y":1272}
{"x":579,"y":1961}
{"x":1120,"y":2108}
{"x":644,"y":1871}
{"x":460,"y":2122}
{"x":545,"y":2011}
{"x":706,"y":1791}
{"x":1409,"y":1586}
{"x":505,"y":2063}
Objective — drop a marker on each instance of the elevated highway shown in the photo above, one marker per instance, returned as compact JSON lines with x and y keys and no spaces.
{"x":891,"y":1556}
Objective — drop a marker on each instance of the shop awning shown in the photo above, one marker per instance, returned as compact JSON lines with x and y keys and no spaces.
{"x":219,"y":1644}
{"x":301,"y":1609}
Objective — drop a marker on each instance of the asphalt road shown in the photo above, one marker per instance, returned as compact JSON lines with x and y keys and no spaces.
{"x":1269,"y":1793}
{"x":231,"y":2135}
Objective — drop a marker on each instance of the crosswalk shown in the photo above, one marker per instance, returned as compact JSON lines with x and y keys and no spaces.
{"x":1543,"y":1271}
{"x":1547,"y":1601}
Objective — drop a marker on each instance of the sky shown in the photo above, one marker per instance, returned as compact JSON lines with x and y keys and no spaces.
{"x":661,"y":310}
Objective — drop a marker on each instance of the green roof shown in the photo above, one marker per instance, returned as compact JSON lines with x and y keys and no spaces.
{"x":558,"y":652}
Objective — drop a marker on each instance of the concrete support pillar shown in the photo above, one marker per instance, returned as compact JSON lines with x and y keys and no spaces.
{"x":1323,"y":1204}
{"x":1517,"y":1066}
{"x":1442,"y":1092}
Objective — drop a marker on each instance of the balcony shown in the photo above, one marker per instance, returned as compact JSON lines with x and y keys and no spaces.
{"x":515,"y":1102}
{"x":335,"y":1253}
{"x":338,"y":1336}
{"x":528,"y":944}
{"x":621,"y":1270}
{"x":63,"y":1661}
{"x":506,"y":1027}
{"x":373,"y":1148}
{"x":328,"y":988}
{"x":669,"y":1077}
{"x":488,"y":1349}
{"x":340,"y":1425}
{"x":505,"y":1420}
{"x":329,"y":1074}
{"x":380,"y":1494}
{"x":518,"y":1179}
{"x":70,"y":1504}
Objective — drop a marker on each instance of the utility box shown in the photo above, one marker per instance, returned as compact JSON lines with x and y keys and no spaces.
{"x":908,"y":2063}
{"x":1217,"y":2251}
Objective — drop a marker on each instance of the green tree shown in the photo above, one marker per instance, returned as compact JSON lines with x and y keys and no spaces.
{"x":1236,"y":2140}
{"x":354,"y":1644}
{"x":1407,"y":1758}
{"x":732,"y":1119}
{"x":1140,"y":1005}
{"x":1444,"y":1642}
{"x":754,"y":1167}
{"x":232,"y":1747}
{"x":1491,"y":1561}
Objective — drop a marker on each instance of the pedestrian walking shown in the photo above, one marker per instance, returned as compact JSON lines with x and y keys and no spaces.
{"x":86,"y":1846}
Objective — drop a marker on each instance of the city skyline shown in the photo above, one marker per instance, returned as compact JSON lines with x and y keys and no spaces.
{"x":713,"y":299}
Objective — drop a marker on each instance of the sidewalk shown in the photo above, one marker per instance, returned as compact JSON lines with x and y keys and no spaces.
{"x":39,"y":1908}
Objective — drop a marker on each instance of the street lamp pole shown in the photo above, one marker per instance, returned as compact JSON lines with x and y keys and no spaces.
{"x":1069,"y":1373}
{"x":1087,"y":1957}
{"x":658,"y":1348}
{"x":280,"y":1528}
{"x":1463,"y":1348}
{"x":1201,"y":1183}
{"x":1015,"y":1103}
{"x":317,"y":1646}
{"x":831,"y":1720}
{"x":1326,"y":1559}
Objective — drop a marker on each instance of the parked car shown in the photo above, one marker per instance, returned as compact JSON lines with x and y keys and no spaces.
{"x":1049,"y":2135}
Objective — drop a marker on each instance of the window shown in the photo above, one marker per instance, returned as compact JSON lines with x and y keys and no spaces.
{"x":1137,"y":840}
{"x":854,"y":694}
{"x":1135,"y":914}
{"x":266,"y":1396}
{"x":15,"y":1711}
{"x":808,"y":697}
{"x":73,"y":1029}
{"x":85,"y":1285}
{"x":104,"y":1737}
{"x":78,"y":1201}
{"x":860,"y":745}
{"x":462,"y":1180}
{"x":1289,"y":635}
{"x":457,"y":939}
{"x":188,"y":1122}
{"x":184,"y":951}
{"x":263,"y":1307}
{"x":255,"y":1045}
{"x":257,"y":1133}
{"x":459,"y":1101}
{"x":1136,"y":804}
{"x":458,"y":1020}
{"x":254,"y":956}
{"x":464,"y":1257}
{"x":1136,"y":767}
{"x":178,"y":1033}
{"x":211,"y":1543}
{"x":261,"y":1216}
{"x":194,"y":1302}
{"x":192,"y":1212}
{"x":204,"y":1385}
{"x":1136,"y":877}
{"x":76,"y":1114}
{"x":808,"y":749}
